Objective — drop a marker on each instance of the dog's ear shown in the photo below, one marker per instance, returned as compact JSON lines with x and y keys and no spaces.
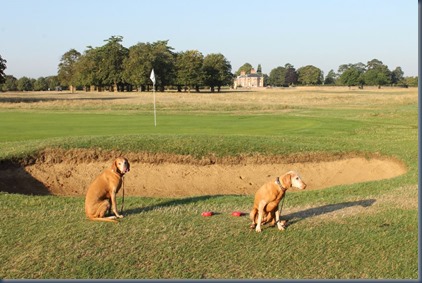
{"x":114,"y":165}
{"x":287,"y":180}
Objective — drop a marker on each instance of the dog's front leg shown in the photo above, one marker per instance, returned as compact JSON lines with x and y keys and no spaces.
{"x":261,"y":207}
{"x":281,"y":225}
{"x":114,"y":204}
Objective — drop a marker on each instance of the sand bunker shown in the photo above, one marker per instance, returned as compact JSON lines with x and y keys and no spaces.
{"x":153,"y":175}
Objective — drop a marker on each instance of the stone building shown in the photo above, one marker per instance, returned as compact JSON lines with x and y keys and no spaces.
{"x":249,"y":80}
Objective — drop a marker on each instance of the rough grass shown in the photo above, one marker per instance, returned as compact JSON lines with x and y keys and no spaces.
{"x":168,"y":238}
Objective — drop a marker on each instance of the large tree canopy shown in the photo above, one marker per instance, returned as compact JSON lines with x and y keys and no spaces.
{"x":87,"y":68}
{"x":217,"y":71}
{"x":67,"y":73}
{"x":189,"y":69}
{"x":397,"y":76}
{"x":330,"y":78}
{"x":277,"y":76}
{"x":143,"y":57}
{"x":291,"y":74}
{"x":377,"y":73}
{"x":309,"y":75}
{"x":352,"y":76}
{"x":111,"y":57}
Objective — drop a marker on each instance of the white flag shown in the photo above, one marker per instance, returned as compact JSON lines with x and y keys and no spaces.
{"x":152,"y":77}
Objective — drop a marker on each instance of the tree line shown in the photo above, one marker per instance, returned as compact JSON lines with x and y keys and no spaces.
{"x":114,"y":67}
{"x":374,"y":73}
{"x":117,"y":68}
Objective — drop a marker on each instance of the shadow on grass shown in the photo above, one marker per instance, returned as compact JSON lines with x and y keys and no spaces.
{"x":173,"y":202}
{"x":317,"y":211}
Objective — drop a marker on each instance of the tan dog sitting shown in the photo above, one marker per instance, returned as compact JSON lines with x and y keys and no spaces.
{"x":101,"y":194}
{"x":268,"y":197}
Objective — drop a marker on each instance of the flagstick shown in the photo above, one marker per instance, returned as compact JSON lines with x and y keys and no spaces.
{"x":152,"y":78}
{"x":155,"y":113}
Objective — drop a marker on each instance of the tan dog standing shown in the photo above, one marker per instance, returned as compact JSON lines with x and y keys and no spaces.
{"x":268,"y":197}
{"x":101,"y":194}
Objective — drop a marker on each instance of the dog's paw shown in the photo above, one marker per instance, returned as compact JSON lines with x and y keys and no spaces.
{"x":119,"y":216}
{"x":258,"y":229}
{"x":281,"y":225}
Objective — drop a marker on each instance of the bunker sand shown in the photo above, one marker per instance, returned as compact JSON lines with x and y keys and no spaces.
{"x":69,"y":173}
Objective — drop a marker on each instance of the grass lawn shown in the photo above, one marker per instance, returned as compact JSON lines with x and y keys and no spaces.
{"x":367,"y":230}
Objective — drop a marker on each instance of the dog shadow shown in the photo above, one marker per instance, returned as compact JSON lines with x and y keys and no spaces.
{"x":172,"y":202}
{"x":295,"y":217}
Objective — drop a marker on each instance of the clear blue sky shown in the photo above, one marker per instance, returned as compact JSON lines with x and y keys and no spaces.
{"x":34,"y":34}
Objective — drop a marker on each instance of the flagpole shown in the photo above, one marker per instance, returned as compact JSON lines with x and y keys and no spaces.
{"x":155,"y":112}
{"x":152,"y":77}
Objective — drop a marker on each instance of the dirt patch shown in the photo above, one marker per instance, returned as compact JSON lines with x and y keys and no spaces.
{"x":62,"y":172}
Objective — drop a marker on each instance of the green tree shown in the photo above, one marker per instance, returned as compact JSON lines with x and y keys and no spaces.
{"x":360,"y":67}
{"x":111,"y":58}
{"x":259,"y":69}
{"x":143,"y":57}
{"x":277,"y":76}
{"x":291,"y":74}
{"x":266,"y":79}
{"x":67,"y":71}
{"x":397,"y":76}
{"x":351,"y":77}
{"x":377,"y":73}
{"x":244,"y":68}
{"x":342,"y":68}
{"x":138,"y":65}
{"x":102,"y":66}
{"x":163,"y":63}
{"x":331,"y":78}
{"x":53,"y":82}
{"x":410,"y":81}
{"x":10,"y":83}
{"x":309,"y":75}
{"x":217,"y":71}
{"x":189,"y":69}
{"x":373,"y":64}
{"x":2,"y":68}
{"x":25,"y":84}
{"x":87,"y":68}
{"x":41,"y":84}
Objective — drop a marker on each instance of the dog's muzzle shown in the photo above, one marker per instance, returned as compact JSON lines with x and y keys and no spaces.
{"x":126,"y":169}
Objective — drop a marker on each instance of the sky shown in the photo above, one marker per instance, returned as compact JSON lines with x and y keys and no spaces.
{"x":34,"y":34}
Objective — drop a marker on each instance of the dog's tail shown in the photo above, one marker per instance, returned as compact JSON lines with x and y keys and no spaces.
{"x":104,"y":219}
